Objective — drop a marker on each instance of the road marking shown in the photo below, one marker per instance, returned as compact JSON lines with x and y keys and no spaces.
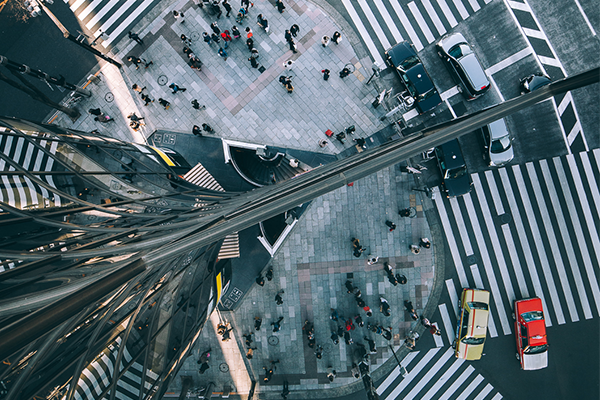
{"x":587,"y":21}
{"x":514,"y":209}
{"x":479,"y":284}
{"x":590,"y":177}
{"x":460,"y":270}
{"x":434,"y":17}
{"x":486,"y":390}
{"x":412,"y":374}
{"x":447,"y":13}
{"x":469,"y":389}
{"x":429,"y":374}
{"x":374,"y":24}
{"x":461,"y":9}
{"x":539,"y":245}
{"x":534,"y":33}
{"x":491,"y":182}
{"x":414,"y":38}
{"x":562,"y":225}
{"x":449,"y":93}
{"x":453,"y":294}
{"x":549,"y":228}
{"x":127,"y":22}
{"x":443,"y":379}
{"x":491,"y":228}
{"x":508,"y":61}
{"x":514,"y":257}
{"x":498,"y":396}
{"x":474,"y":5}
{"x":462,"y":228}
{"x":396,"y":372}
{"x":388,"y":21}
{"x":76,"y":5}
{"x":421,"y":21}
{"x":103,"y":11}
{"x":81,"y":16}
{"x":487,"y":264}
{"x":439,"y":342}
{"x":457,"y":383}
{"x":363,"y":32}
{"x":448,"y":326}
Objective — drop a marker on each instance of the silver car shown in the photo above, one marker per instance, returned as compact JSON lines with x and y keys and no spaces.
{"x":497,"y":143}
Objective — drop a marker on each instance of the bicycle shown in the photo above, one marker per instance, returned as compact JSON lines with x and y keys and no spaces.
{"x":73,"y":99}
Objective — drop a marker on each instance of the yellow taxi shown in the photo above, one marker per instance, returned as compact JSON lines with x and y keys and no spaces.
{"x":472,"y":319}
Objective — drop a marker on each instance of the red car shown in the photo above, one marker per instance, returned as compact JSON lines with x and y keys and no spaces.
{"x":530,"y":332}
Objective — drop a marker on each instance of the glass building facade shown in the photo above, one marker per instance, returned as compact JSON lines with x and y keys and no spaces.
{"x":104,"y":287}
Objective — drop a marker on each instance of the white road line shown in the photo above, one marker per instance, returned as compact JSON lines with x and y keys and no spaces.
{"x":412,"y":374}
{"x":457,"y":383}
{"x":587,"y":21}
{"x":486,"y":390}
{"x":443,"y":379}
{"x":434,"y":17}
{"x":462,"y":229}
{"x":374,"y":24}
{"x":453,"y":294}
{"x":553,"y":62}
{"x":571,"y":136}
{"x":479,"y":284}
{"x":363,"y":32}
{"x":464,"y":14}
{"x":439,"y":342}
{"x":389,"y":22}
{"x":519,"y":6}
{"x":469,"y":389}
{"x":491,"y":182}
{"x":447,"y":13}
{"x":453,"y":91}
{"x":514,"y":209}
{"x":534,"y":33}
{"x":76,"y":5}
{"x":396,"y":372}
{"x":491,"y":228}
{"x":474,"y":5}
{"x":430,"y":374}
{"x":562,"y":225}
{"x":414,"y":38}
{"x":564,"y":103}
{"x":88,"y":9}
{"x":421,"y":21}
{"x":498,"y":396}
{"x":487,"y":263}
{"x":127,"y":22}
{"x":589,"y":173}
{"x":103,"y":11}
{"x":460,"y":270}
{"x":508,"y":61}
{"x":549,"y":228}
{"x":514,"y":258}
{"x":124,"y":7}
{"x":448,"y":326}
{"x":539,"y":245}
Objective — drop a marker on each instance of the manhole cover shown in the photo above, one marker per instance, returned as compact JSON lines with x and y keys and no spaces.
{"x":195,"y":36}
{"x":109,"y":97}
{"x":223,"y":367}
{"x":273,"y":340}
{"x":162,"y":80}
{"x":472,"y":259}
{"x":505,"y":218}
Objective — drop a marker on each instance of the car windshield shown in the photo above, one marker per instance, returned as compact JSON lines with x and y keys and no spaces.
{"x":460,"y":50}
{"x":477,"y":305}
{"x":472,"y":340}
{"x":500,"y":145}
{"x":532,"y":316}
{"x":536,"y":349}
{"x":409,"y":63}
{"x":455,"y":173}
{"x":409,"y":86}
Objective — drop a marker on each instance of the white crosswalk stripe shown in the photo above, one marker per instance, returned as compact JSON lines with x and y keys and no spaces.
{"x":544,"y":216}
{"x":422,"y":28}
{"x":436,"y":375}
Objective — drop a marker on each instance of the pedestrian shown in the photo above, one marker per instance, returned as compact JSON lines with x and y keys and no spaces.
{"x":348,"y":338}
{"x":344,"y":72}
{"x":288,"y":35}
{"x":319,"y":352}
{"x":227,"y":7}
{"x":350,"y":325}
{"x":250,"y":44}
{"x":207,"y":128}
{"x":246,"y":4}
{"x":134,"y":36}
{"x":349,"y":286}
{"x":410,"y":343}
{"x":434,"y":330}
{"x":235,"y":32}
{"x":204,"y":357}
{"x":277,"y":324}
{"x":372,"y":260}
{"x":372,"y":346}
{"x":325,"y":73}
{"x":226,"y":37}
{"x":134,"y":117}
{"x":337,"y":37}
{"x":187,"y":41}
{"x":424,"y":321}
{"x":268,"y":374}
{"x":147,"y":64}
{"x":294,"y":30}
{"x":253,"y":62}
{"x":390,"y":225}
{"x":179,"y":16}
{"x":414,"y":249}
{"x":361,"y":142}
{"x":196,"y":105}
{"x":248,"y":337}
{"x":215,"y":27}
{"x":288,"y":65}
{"x":176,"y":88}
{"x":215,"y":38}
{"x":325,"y":41}
{"x":226,"y":336}
{"x":334,"y":314}
{"x":425,"y":243}
{"x":103,"y":118}
{"x":136,"y":88}
{"x":95,"y":111}
{"x":331,"y":373}
{"x":223,"y":53}
{"x":262,"y":22}
{"x":260,"y":280}
{"x":286,"y":390}
{"x":280,"y":6}
{"x":278,"y":298}
{"x":249,"y":353}
{"x":355,"y":371}
{"x":135,"y":60}
{"x":206,"y":38}
{"x":257,"y":323}
{"x":359,"y":321}
{"x":411,"y":310}
{"x":322,"y":143}
{"x":384,"y":306}
{"x":368,"y":311}
{"x":269,"y":274}
{"x":293,"y":46}
{"x":335,"y":338}
{"x":147,"y":99}
{"x":217,"y":9}
{"x":405,"y":212}
{"x":196,"y":131}
{"x":289,"y":87}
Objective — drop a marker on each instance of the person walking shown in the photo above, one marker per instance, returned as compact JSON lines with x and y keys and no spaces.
{"x":335,"y":338}
{"x":176,"y":88}
{"x":147,"y":99}
{"x":164,"y":103}
{"x":136,"y":88}
{"x":278,"y":298}
{"x":207,"y":128}
{"x":344,"y":72}
{"x":226,"y":37}
{"x":135,"y":60}
{"x":260,"y":280}
{"x":337,"y":37}
{"x":197,"y":106}
{"x":196,"y":131}
{"x":253,"y":62}
{"x":215,"y":38}
{"x":293,"y":46}
{"x":319,"y":352}
{"x":401,"y":279}
{"x":257,"y":323}
{"x":95,"y":111}
{"x":288,"y":65}
{"x":288,"y":35}
{"x":390,"y":225}
{"x":326,"y":74}
{"x":269,"y":274}
{"x":295,"y":29}
{"x":262,"y":22}
{"x":286,"y":390}
{"x":134,"y":36}
{"x":372,"y":260}
{"x":103,"y":118}
{"x":325,"y":40}
{"x":217,"y":9}
{"x":235,"y":32}
{"x":179,"y":16}
{"x":280,"y":6}
{"x":186,"y":41}
{"x":331,"y":373}
{"x":277,"y":324}
{"x":206,"y":38}
{"x":249,"y":33}
{"x":414,"y":249}
{"x":254,"y":53}
{"x":268,"y":374}
{"x":250,"y":44}
{"x":215,"y":28}
{"x":384,"y":306}
{"x":223,"y":53}
{"x":411,"y":310}
{"x":227,"y":7}
{"x":425,"y":243}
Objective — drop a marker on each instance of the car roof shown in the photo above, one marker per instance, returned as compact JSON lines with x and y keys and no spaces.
{"x":474,"y":71}
{"x":400,"y":52}
{"x":538,"y":81}
{"x":453,"y":157}
{"x":447,"y":42}
{"x":420,"y":79}
{"x":498,"y":129}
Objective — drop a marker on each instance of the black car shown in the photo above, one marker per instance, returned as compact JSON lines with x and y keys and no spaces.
{"x":455,"y":177}
{"x":464,"y":65}
{"x":533,"y":82}
{"x":404,"y":59}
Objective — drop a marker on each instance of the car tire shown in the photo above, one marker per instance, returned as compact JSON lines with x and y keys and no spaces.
{"x":454,"y":344}
{"x":514,"y":316}
{"x":518,"y":358}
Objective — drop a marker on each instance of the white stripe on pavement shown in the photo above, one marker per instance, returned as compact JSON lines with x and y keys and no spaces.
{"x":448,"y":325}
{"x":491,"y":182}
{"x":498,"y":396}
{"x":363,"y":32}
{"x":514,"y":210}
{"x":589,"y":173}
{"x":434,"y":17}
{"x":429,"y":374}
{"x":414,"y":38}
{"x":412,"y":374}
{"x":421,"y":21}
{"x":124,"y":7}
{"x":103,"y":11}
{"x":549,"y":228}
{"x":487,"y":264}
{"x":462,"y":228}
{"x":514,"y":258}
{"x":453,"y":295}
{"x":491,"y":228}
{"x":539,"y":245}
{"x":461,"y":9}
{"x":439,"y":342}
{"x":474,"y":5}
{"x":389,"y":22}
{"x":479,"y":284}
{"x":443,"y":379}
{"x":447,"y":13}
{"x":91,"y":7}
{"x":509,"y":61}
{"x":460,"y":270}
{"x":469,"y":389}
{"x":457,"y":383}
{"x":396,"y":372}
{"x":76,"y":5}
{"x":374,"y":24}
{"x":486,"y":390}
{"x":127,"y":22}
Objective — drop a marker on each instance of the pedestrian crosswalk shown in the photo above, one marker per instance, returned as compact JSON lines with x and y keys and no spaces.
{"x":524,"y":231}
{"x":108,"y":21}
{"x":383,"y":23}
{"x":435,"y":374}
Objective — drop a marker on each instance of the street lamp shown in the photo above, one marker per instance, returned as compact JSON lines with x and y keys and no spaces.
{"x":376,"y":67}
